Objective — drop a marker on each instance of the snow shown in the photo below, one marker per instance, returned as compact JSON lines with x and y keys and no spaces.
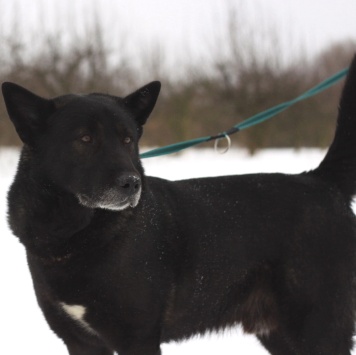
{"x":22,"y":326}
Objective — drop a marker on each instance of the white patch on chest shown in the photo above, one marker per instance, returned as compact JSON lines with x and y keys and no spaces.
{"x":77,"y":313}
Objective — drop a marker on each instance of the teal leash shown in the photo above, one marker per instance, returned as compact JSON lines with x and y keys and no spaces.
{"x":249,"y":122}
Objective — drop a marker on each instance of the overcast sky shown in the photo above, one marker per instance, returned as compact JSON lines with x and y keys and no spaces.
{"x":190,"y":24}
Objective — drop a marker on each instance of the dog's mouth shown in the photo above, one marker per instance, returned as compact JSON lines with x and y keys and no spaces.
{"x":110,"y":200}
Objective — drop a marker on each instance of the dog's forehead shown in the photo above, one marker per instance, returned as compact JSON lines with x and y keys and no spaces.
{"x":93,"y":110}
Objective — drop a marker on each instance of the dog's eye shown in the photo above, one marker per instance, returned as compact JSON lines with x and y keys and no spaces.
{"x":127,"y":140}
{"x":86,"y":138}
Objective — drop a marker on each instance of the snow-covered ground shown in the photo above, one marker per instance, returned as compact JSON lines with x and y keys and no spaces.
{"x":22,"y":327}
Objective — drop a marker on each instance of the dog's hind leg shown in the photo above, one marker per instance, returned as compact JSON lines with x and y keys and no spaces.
{"x":326,"y":335}
{"x":324,"y":330}
{"x":277,"y":343}
{"x":316,"y":342}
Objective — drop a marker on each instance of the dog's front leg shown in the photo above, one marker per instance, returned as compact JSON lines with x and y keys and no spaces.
{"x":137,"y":341}
{"x":140,"y":349}
{"x":83,"y":349}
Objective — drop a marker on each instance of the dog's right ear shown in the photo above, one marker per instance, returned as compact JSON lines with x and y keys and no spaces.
{"x":26,"y":110}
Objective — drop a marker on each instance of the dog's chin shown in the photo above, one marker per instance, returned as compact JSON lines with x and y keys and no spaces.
{"x":110,"y":201}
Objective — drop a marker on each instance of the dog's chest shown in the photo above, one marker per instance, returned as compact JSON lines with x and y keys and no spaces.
{"x":77,"y":313}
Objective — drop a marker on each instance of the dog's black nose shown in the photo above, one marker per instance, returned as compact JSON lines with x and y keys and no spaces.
{"x":130,"y":183}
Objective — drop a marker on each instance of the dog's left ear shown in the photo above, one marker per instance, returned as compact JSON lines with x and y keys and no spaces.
{"x":142,"y":101}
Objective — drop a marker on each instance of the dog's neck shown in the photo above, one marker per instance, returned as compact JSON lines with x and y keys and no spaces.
{"x":53,"y":217}
{"x":55,"y":226}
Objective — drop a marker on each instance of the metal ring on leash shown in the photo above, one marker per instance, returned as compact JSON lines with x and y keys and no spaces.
{"x":216,"y":144}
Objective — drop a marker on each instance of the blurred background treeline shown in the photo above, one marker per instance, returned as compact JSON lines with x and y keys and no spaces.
{"x":244,"y":73}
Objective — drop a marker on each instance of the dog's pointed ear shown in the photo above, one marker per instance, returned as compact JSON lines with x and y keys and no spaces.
{"x":26,"y":110}
{"x":142,"y":101}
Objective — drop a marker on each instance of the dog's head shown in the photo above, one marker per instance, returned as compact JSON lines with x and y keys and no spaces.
{"x":85,"y":144}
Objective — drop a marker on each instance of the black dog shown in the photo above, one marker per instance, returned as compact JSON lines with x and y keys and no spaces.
{"x":123,"y":262}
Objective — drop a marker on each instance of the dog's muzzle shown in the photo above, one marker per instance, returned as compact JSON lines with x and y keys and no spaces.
{"x":130,"y":184}
{"x":126,"y":193}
